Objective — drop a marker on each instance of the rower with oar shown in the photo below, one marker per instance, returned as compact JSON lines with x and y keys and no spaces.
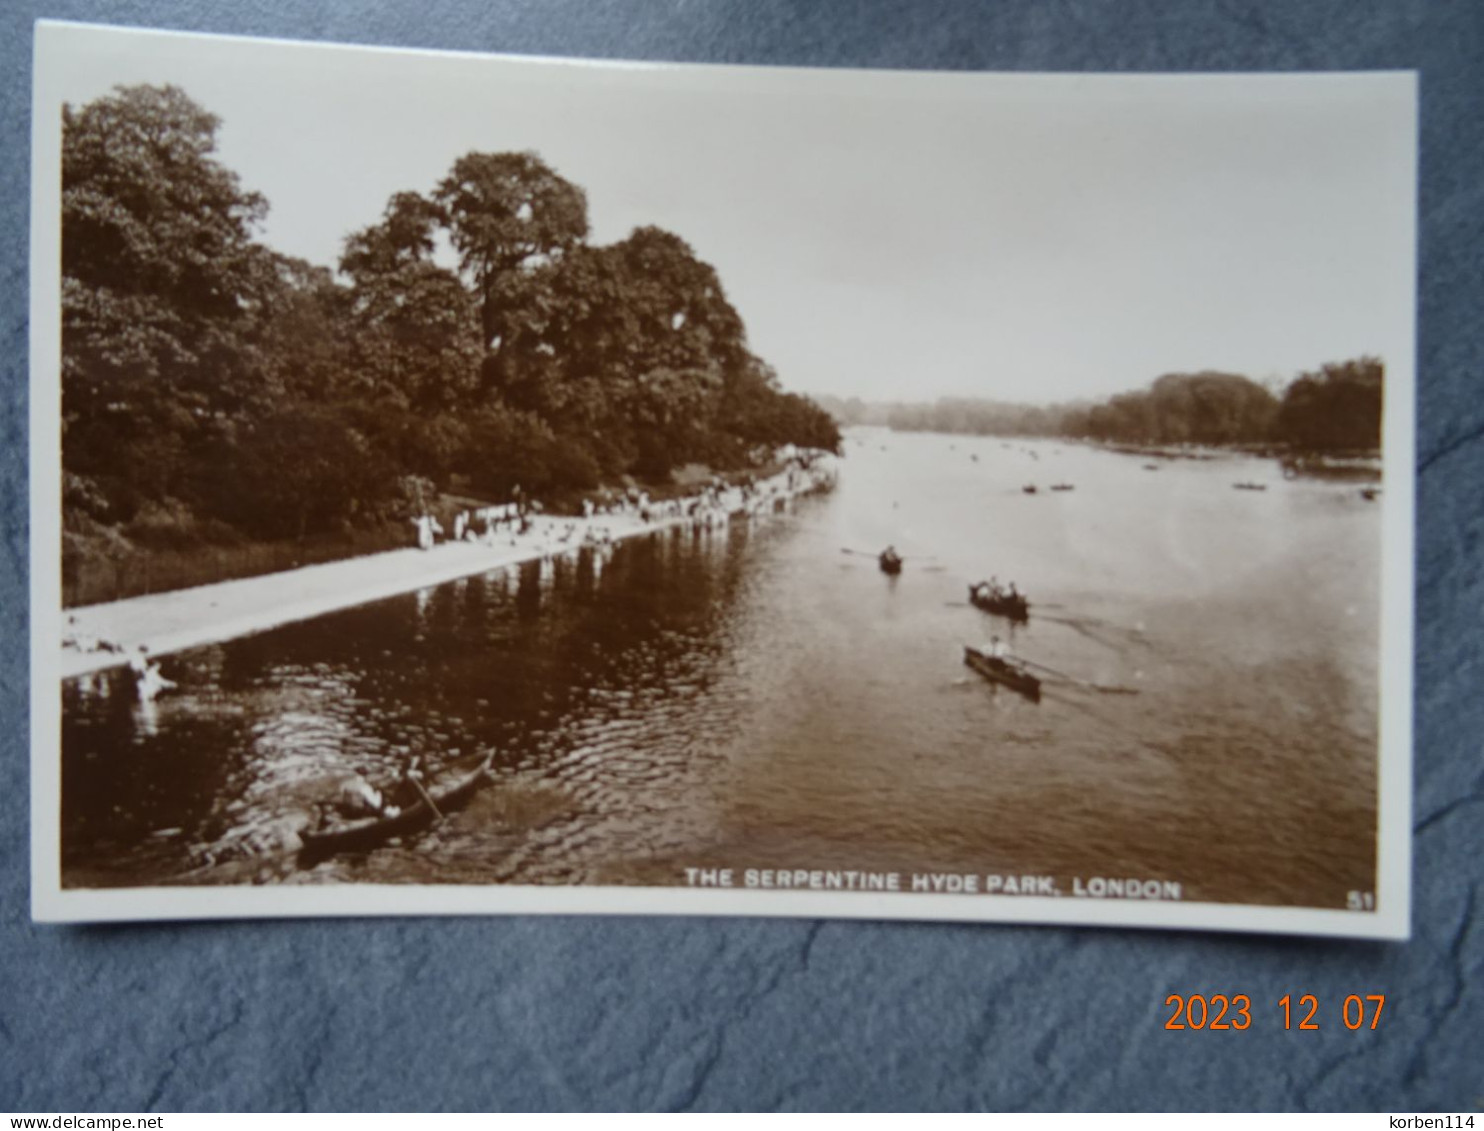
{"x":889,"y":559}
{"x":995,"y":664}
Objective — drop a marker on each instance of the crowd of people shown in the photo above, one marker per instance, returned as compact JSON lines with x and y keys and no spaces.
{"x":523,"y":522}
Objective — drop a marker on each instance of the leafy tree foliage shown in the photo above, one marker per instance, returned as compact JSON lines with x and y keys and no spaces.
{"x":294,"y":472}
{"x":147,"y":209}
{"x":415,"y":339}
{"x":208,"y":377}
{"x":504,"y":210}
{"x":513,"y":449}
{"x":631,"y":343}
{"x":1200,"y":408}
{"x":161,"y":283}
{"x":1335,"y":409}
{"x":757,"y":412}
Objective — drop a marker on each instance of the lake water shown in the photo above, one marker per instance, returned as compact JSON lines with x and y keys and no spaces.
{"x":757,"y":698}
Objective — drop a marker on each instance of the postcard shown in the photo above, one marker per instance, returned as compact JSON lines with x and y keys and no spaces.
{"x":471,"y":484}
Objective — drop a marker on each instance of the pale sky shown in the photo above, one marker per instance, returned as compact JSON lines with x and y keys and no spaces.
{"x":888,"y":235}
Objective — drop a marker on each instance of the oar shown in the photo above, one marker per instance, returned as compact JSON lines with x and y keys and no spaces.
{"x":423,"y":793}
{"x":1104,"y":688}
{"x":1052,"y":670}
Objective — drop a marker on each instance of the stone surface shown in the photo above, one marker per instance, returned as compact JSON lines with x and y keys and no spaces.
{"x":650,"y":1013}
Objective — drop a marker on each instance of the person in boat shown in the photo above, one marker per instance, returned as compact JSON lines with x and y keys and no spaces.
{"x":997,"y":650}
{"x":987,"y":590}
{"x":359,"y":798}
{"x":1014,"y":594}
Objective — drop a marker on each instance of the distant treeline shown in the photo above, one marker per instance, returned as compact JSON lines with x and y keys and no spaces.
{"x":1335,"y":409}
{"x":210,"y":383}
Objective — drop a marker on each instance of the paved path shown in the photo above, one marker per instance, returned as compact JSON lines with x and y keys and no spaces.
{"x":188,"y":618}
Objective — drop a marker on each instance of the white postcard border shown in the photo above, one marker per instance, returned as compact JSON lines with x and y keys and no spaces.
{"x":51,"y":903}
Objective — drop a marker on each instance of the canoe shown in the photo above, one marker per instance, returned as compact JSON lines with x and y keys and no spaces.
{"x":1063,"y":487}
{"x":890,"y":563}
{"x":1001,"y":605}
{"x":1250,"y":486}
{"x":1010,"y":674}
{"x":1029,"y":488}
{"x":371,"y":832}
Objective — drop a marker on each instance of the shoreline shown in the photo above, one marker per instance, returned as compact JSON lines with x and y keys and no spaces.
{"x":180,"y":619}
{"x":1367,"y":460}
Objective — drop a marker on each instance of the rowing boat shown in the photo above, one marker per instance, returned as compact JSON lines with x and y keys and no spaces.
{"x":1007,"y":672}
{"x":890,"y":563}
{"x":371,"y":832}
{"x":1001,"y":604}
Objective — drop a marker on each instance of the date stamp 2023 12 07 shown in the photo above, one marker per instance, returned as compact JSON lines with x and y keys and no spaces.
{"x":1303,"y":1012}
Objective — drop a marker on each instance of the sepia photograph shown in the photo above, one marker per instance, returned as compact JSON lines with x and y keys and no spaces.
{"x":476,"y":484}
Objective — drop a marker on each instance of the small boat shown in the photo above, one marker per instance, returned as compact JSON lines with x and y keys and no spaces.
{"x":371,"y":832}
{"x":890,"y":562}
{"x":1250,"y":486}
{"x":1029,"y":488}
{"x":1370,"y":494}
{"x":999,"y":602}
{"x":1007,"y":672}
{"x":1151,"y":467}
{"x":1063,"y":487}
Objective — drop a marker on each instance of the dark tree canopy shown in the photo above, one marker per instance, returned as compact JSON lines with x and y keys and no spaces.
{"x":502,"y":210}
{"x":148,"y":210}
{"x":1336,"y":409}
{"x":415,"y":337}
{"x":208,"y":379}
{"x":405,"y":237}
{"x":602,"y":334}
{"x":162,"y":286}
{"x":1181,"y":408}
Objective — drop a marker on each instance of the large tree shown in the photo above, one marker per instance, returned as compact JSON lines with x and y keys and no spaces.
{"x":416,"y":330}
{"x":506,"y":212}
{"x":162,"y":281}
{"x":631,"y":342}
{"x":1336,"y":409}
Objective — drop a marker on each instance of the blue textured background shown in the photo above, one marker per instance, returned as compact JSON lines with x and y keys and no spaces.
{"x":645,"y":1013}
